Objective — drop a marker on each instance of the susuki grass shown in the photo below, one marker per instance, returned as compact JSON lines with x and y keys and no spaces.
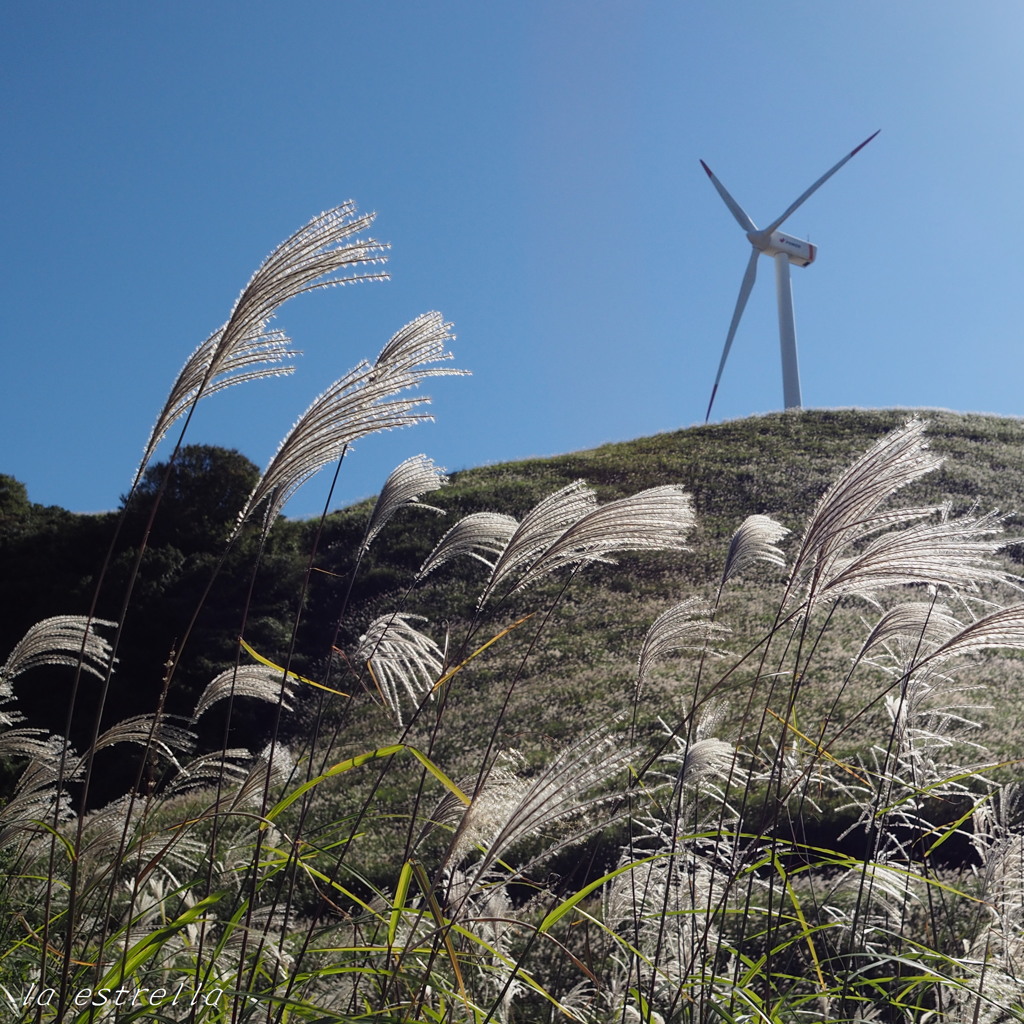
{"x":406,"y":860}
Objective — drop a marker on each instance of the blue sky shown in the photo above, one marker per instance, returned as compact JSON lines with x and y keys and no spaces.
{"x":535,"y":167}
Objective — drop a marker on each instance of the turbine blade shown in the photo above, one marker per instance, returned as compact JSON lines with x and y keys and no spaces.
{"x":737,"y":211}
{"x":741,"y":302}
{"x":814,"y":188}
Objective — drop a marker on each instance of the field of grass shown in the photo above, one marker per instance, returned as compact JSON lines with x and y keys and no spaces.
{"x":720,"y":724}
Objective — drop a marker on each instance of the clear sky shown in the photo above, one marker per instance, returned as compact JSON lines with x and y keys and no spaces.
{"x":535,"y":166}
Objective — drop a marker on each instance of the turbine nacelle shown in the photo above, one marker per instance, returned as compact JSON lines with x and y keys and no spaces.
{"x":799,"y":252}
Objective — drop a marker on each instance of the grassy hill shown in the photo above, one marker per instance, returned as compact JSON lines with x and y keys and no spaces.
{"x":779,"y":465}
{"x":574,"y":663}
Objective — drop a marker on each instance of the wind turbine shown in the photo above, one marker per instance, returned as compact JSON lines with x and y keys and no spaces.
{"x":784,"y":249}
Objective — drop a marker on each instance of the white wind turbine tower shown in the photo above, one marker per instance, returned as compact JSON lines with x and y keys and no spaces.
{"x":784,"y":249}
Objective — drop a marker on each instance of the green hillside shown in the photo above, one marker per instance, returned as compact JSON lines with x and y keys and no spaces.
{"x":779,"y":465}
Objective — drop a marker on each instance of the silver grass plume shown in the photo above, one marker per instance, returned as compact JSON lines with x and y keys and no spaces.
{"x":401,"y":659}
{"x":667,"y":907}
{"x":20,"y":817}
{"x":478,"y":823}
{"x":684,"y":626}
{"x":255,"y":358}
{"x":162,"y":854}
{"x":362,"y":402}
{"x":923,"y":694}
{"x":850,"y":509}
{"x":700,"y":758}
{"x":951,"y":553}
{"x":272,"y":766}
{"x":147,"y":895}
{"x":999,"y":845}
{"x":572,"y":787}
{"x":920,"y":702}
{"x":883,"y":889}
{"x":258,"y":681}
{"x":53,"y":762}
{"x":696,"y":758}
{"x":351,"y":408}
{"x":226,"y":767}
{"x":270,"y":956}
{"x":658,"y":519}
{"x":60,"y":640}
{"x":408,"y":482}
{"x":1003,"y":628}
{"x":986,"y":992}
{"x":320,"y":254}
{"x":914,"y":626}
{"x":754,"y":541}
{"x":539,"y":529}
{"x":666,"y":904}
{"x":25,"y":742}
{"x":420,"y":342}
{"x":155,"y":734}
{"x":478,"y":535}
{"x":928,"y":716}
{"x":39,"y":790}
{"x":491,"y":917}
{"x":704,"y":758}
{"x":104,"y":832}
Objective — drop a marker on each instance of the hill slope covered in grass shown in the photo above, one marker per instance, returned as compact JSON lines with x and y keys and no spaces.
{"x":779,"y":465}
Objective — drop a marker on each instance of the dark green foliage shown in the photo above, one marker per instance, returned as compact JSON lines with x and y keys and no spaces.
{"x":15,"y":507}
{"x":51,"y":563}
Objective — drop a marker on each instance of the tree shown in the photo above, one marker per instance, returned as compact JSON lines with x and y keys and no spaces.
{"x":15,"y":507}
{"x":205,"y":492}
